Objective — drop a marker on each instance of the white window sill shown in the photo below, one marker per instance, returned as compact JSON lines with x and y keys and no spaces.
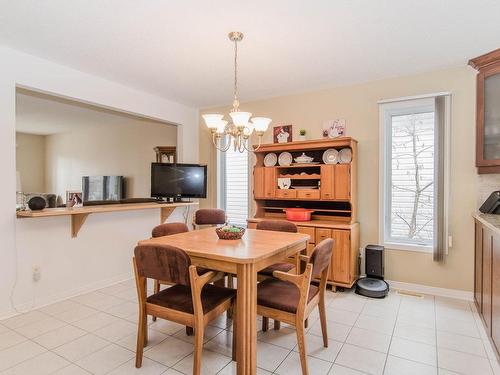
{"x":408,"y":247}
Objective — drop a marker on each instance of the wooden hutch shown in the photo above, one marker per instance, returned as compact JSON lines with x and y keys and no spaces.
{"x":334,"y":201}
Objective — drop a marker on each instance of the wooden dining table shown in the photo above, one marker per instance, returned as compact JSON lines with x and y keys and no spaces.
{"x":256,"y":250}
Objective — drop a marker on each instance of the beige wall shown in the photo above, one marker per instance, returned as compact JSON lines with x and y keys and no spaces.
{"x":30,"y":162}
{"x":111,"y":148}
{"x":358,"y":105}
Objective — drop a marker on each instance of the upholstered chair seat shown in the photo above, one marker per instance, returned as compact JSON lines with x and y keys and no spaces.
{"x":283,"y":267}
{"x":281,"y":295}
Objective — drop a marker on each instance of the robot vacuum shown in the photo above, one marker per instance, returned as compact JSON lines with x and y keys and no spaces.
{"x":373,"y":285}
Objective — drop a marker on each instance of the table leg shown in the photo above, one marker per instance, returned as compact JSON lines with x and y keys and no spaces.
{"x":246,"y":314}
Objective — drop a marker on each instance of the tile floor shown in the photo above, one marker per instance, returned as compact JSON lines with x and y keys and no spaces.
{"x":400,"y":335}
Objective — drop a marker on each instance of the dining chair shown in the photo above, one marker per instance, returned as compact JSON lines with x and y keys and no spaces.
{"x":191,"y":301}
{"x":291,"y":298}
{"x":209,"y":216}
{"x":290,"y":264}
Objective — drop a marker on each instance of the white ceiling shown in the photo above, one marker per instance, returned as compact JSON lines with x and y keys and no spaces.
{"x":180,"y":50}
{"x":44,"y":115}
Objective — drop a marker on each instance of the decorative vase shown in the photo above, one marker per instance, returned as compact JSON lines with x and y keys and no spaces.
{"x":302,"y":138}
{"x":37,"y":203}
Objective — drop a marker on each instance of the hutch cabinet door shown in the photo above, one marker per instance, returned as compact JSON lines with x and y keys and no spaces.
{"x":339,"y":269}
{"x":270,"y":182}
{"x":342,"y":182}
{"x":327,"y":184}
{"x":258,"y":183}
{"x":478,"y":265}
{"x":486,"y":279}
{"x":495,"y":291}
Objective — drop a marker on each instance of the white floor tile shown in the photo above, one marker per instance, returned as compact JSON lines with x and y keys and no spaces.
{"x":415,"y":333}
{"x":230,"y":369}
{"x":43,"y":364}
{"x":369,"y":339}
{"x":169,"y":351}
{"x":148,"y":367}
{"x":222,"y":343}
{"x":400,"y":366}
{"x":336,"y":331}
{"x":285,"y":337}
{"x":341,"y":370}
{"x":71,"y":370}
{"x":106,"y":359}
{"x":377,"y":324}
{"x":463,"y":363}
{"x":124,"y":310}
{"x":130,"y":342}
{"x":81,"y":347}
{"x":270,"y":356}
{"x":364,"y":360}
{"x":350,"y":304}
{"x":460,"y":343}
{"x":75,"y":314}
{"x":116,"y":330}
{"x":457,"y":326}
{"x":292,"y":366}
{"x":167,"y":327}
{"x":40,"y":327}
{"x":211,"y":363}
{"x":413,"y":351}
{"x":10,"y":338}
{"x":59,"y":307}
{"x":24,"y":319}
{"x":19,"y":353}
{"x":315,"y":348}
{"x":96,"y":321}
{"x":209,"y":333}
{"x":341,"y":316}
{"x":59,"y":336}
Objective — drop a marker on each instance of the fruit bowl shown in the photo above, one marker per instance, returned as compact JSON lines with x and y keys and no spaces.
{"x":228,"y":232}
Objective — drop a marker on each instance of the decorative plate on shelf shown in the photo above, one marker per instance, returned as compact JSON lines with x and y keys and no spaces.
{"x":270,"y":159}
{"x":330,"y":156}
{"x":284,"y":183}
{"x":345,"y":155}
{"x":285,"y":159}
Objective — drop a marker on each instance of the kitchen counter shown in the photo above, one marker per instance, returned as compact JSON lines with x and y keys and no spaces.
{"x":490,"y":221}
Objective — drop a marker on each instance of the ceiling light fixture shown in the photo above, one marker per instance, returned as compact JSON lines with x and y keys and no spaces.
{"x":241,"y":127}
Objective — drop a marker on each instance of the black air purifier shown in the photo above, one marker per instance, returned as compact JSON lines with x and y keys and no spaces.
{"x":373,"y":285}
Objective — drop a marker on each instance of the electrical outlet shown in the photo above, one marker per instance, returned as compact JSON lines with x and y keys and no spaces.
{"x":37,"y":273}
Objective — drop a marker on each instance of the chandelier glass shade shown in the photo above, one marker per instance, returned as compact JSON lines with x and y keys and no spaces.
{"x":237,"y":132}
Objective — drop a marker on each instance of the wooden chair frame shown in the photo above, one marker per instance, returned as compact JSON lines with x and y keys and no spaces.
{"x":304,"y":308}
{"x":197,"y":321}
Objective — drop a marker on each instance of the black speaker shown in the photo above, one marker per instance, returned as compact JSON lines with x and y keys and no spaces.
{"x":374,"y":261}
{"x":492,"y":204}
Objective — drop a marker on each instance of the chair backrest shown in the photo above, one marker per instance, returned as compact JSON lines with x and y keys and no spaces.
{"x":169,"y":229}
{"x":277,"y":226}
{"x":209,"y":216}
{"x":163,"y":262}
{"x":321,"y":257}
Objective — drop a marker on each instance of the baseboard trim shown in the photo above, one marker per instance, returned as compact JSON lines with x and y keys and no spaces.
{"x":436,"y":291}
{"x":49,"y":300}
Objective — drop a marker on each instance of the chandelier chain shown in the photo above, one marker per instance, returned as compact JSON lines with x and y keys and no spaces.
{"x":235,"y":70}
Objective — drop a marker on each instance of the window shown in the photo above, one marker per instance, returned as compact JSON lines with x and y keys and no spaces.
{"x":413,"y":174}
{"x":233,"y":185}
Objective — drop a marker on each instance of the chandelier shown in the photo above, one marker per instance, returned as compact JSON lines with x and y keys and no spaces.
{"x":241,"y":126}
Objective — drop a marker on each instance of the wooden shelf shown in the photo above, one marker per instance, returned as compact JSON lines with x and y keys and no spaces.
{"x":301,"y":176}
{"x":316,"y":144}
{"x":80,"y":214}
{"x":299,"y":166}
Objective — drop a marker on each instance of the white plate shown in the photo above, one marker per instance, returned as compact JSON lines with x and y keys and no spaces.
{"x":330,"y":156}
{"x":345,"y":155}
{"x":285,"y":159}
{"x":284,"y":183}
{"x":270,"y":159}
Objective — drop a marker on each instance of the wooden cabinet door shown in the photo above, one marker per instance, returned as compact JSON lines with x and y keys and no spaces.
{"x":478,"y":265}
{"x":270,"y":182}
{"x":486,"y":279}
{"x":322,"y":233}
{"x":495,"y":292}
{"x":258,"y":183}
{"x":339,"y":269}
{"x":342,"y":182}
{"x":327,"y":181}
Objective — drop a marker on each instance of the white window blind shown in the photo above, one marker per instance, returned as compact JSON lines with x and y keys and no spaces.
{"x":234,"y":184}
{"x":413,"y":174}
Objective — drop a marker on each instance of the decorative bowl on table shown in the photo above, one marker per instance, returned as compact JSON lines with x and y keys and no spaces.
{"x":230,"y":232}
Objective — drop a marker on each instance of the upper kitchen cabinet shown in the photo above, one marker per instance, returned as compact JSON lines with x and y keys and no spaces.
{"x":488,"y":112}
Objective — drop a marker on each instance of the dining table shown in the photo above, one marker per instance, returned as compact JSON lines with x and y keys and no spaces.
{"x":256,"y":250}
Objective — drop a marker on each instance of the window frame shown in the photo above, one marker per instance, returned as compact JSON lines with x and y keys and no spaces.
{"x":388,"y":109}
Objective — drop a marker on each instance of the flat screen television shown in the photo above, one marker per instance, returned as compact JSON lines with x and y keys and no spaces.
{"x":178,"y":180}
{"x":103,"y":188}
